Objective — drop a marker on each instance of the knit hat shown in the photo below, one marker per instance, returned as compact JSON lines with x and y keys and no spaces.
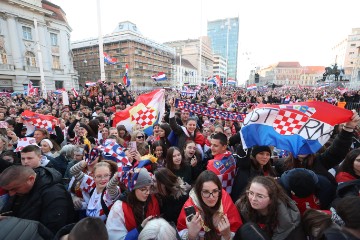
{"x":302,"y":184}
{"x":87,"y":128}
{"x":141,"y":178}
{"x":259,"y":149}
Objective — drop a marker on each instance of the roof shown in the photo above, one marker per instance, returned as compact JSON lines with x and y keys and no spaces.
{"x":314,"y":69}
{"x":184,"y":63}
{"x":288,"y":65}
{"x":58,"y":13}
{"x":126,"y":26}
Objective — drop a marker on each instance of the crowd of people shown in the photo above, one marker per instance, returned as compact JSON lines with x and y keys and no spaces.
{"x":200,"y":183}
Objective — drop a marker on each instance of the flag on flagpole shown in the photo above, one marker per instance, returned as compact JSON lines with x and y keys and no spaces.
{"x":161,"y":76}
{"x":211,"y":81}
{"x":148,"y":109}
{"x":76,"y":94}
{"x":90,"y":84}
{"x":300,"y":128}
{"x":218,"y":81}
{"x":31,"y":91}
{"x":109,"y":60}
{"x":231,"y":81}
{"x":126,"y":78}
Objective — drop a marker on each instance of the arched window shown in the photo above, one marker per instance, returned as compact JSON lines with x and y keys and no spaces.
{"x":30,"y":59}
{"x":3,"y":57}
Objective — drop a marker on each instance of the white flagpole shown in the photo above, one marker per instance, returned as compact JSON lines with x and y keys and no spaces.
{"x":101,"y":42}
{"x":39,"y":55}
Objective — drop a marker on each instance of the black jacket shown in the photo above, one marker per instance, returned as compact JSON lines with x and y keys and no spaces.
{"x":48,"y":202}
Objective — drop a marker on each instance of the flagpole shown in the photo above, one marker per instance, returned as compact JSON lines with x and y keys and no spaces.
{"x":101,"y":43}
{"x":200,"y":51}
{"x":39,"y":55}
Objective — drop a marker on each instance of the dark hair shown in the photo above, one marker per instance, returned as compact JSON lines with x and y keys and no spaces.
{"x":166,"y":127}
{"x":222,"y":137}
{"x":191,"y":119}
{"x":208,"y":176}
{"x":276,"y":194}
{"x":169,"y":158}
{"x":32,"y":148}
{"x":266,"y":168}
{"x":347,"y":209}
{"x":139,"y":208}
{"x":157,"y":144}
{"x":292,"y":162}
{"x":90,"y":228}
{"x":348,"y":163}
{"x":170,"y":181}
{"x":314,"y":219}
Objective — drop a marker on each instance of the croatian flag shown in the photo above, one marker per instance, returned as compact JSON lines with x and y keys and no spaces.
{"x":300,"y":128}
{"x":218,"y":81}
{"x":159,"y":77}
{"x":109,"y":60}
{"x":59,"y":91}
{"x":148,"y":109}
{"x":251,"y":87}
{"x":211,"y":81}
{"x":90,"y":84}
{"x":126,"y":78}
{"x":231,"y":81}
{"x":31,"y":91}
{"x":39,"y":120}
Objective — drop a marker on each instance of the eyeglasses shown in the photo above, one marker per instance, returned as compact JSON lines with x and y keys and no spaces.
{"x":260,"y":197}
{"x":207,"y":194}
{"x":145,"y":190}
{"x":103,"y":177}
{"x":139,"y":137}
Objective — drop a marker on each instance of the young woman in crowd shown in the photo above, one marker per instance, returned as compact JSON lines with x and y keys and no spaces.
{"x":171,"y":193}
{"x":49,"y":148}
{"x":258,"y":164}
{"x":4,"y":141}
{"x":129,"y":215}
{"x":164,"y":132}
{"x":123,"y":133}
{"x":350,"y":167}
{"x":176,"y":164}
{"x":159,"y":151}
{"x":100,"y":191}
{"x":266,"y":204}
{"x":189,"y":132}
{"x":192,"y":157}
{"x":216,"y":215}
{"x":142,"y":146}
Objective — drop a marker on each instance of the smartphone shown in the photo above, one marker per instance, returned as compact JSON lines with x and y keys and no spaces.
{"x":132,"y":145}
{"x":190,"y":213}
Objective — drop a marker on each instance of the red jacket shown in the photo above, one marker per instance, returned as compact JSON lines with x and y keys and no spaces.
{"x":344,"y":177}
{"x":229,"y":209}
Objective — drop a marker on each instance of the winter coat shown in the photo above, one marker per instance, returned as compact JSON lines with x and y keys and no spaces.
{"x":288,"y":220}
{"x":48,"y":201}
{"x":23,"y":229}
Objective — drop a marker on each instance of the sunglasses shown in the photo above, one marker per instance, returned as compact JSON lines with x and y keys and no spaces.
{"x":139,"y":137}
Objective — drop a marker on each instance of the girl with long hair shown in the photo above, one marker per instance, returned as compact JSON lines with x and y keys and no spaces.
{"x":216,"y":216}
{"x":171,"y":193}
{"x":176,"y":164}
{"x":266,"y":204}
{"x":129,"y":215}
{"x":350,"y":167}
{"x":159,"y":151}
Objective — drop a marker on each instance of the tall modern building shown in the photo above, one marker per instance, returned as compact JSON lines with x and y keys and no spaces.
{"x":224,"y":35}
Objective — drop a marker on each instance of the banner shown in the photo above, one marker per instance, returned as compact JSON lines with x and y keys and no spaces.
{"x":300,"y":128}
{"x":209,"y":112}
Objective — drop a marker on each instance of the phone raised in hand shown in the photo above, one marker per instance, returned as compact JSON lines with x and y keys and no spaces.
{"x":190,"y":213}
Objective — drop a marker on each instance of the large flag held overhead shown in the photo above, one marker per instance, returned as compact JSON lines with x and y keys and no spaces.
{"x":231,"y":81}
{"x":300,"y":128}
{"x":148,"y":109}
{"x":31,"y":90}
{"x":109,"y":60}
{"x":251,"y":87}
{"x":39,"y":120}
{"x":126,"y":78}
{"x":161,"y":76}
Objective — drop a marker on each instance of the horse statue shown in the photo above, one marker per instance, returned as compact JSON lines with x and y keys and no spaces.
{"x":332,"y":71}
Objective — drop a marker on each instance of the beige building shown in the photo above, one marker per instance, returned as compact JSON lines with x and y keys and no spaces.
{"x":144,"y":57}
{"x":190,"y":50}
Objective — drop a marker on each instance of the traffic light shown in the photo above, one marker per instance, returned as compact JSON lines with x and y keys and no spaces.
{"x":256,"y":78}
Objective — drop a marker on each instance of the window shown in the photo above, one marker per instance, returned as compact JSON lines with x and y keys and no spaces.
{"x":56,"y":62}
{"x":27,"y":33}
{"x":54,"y":39}
{"x":30,"y":59}
{"x":59,"y":84}
{"x":3,"y":57}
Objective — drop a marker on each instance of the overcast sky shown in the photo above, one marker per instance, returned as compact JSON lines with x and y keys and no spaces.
{"x":270,"y":30}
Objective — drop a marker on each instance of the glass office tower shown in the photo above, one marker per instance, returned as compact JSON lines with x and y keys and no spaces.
{"x":224,"y":35}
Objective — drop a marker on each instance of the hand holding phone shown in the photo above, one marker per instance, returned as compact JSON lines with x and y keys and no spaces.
{"x":190,"y":213}
{"x":132,"y":145}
